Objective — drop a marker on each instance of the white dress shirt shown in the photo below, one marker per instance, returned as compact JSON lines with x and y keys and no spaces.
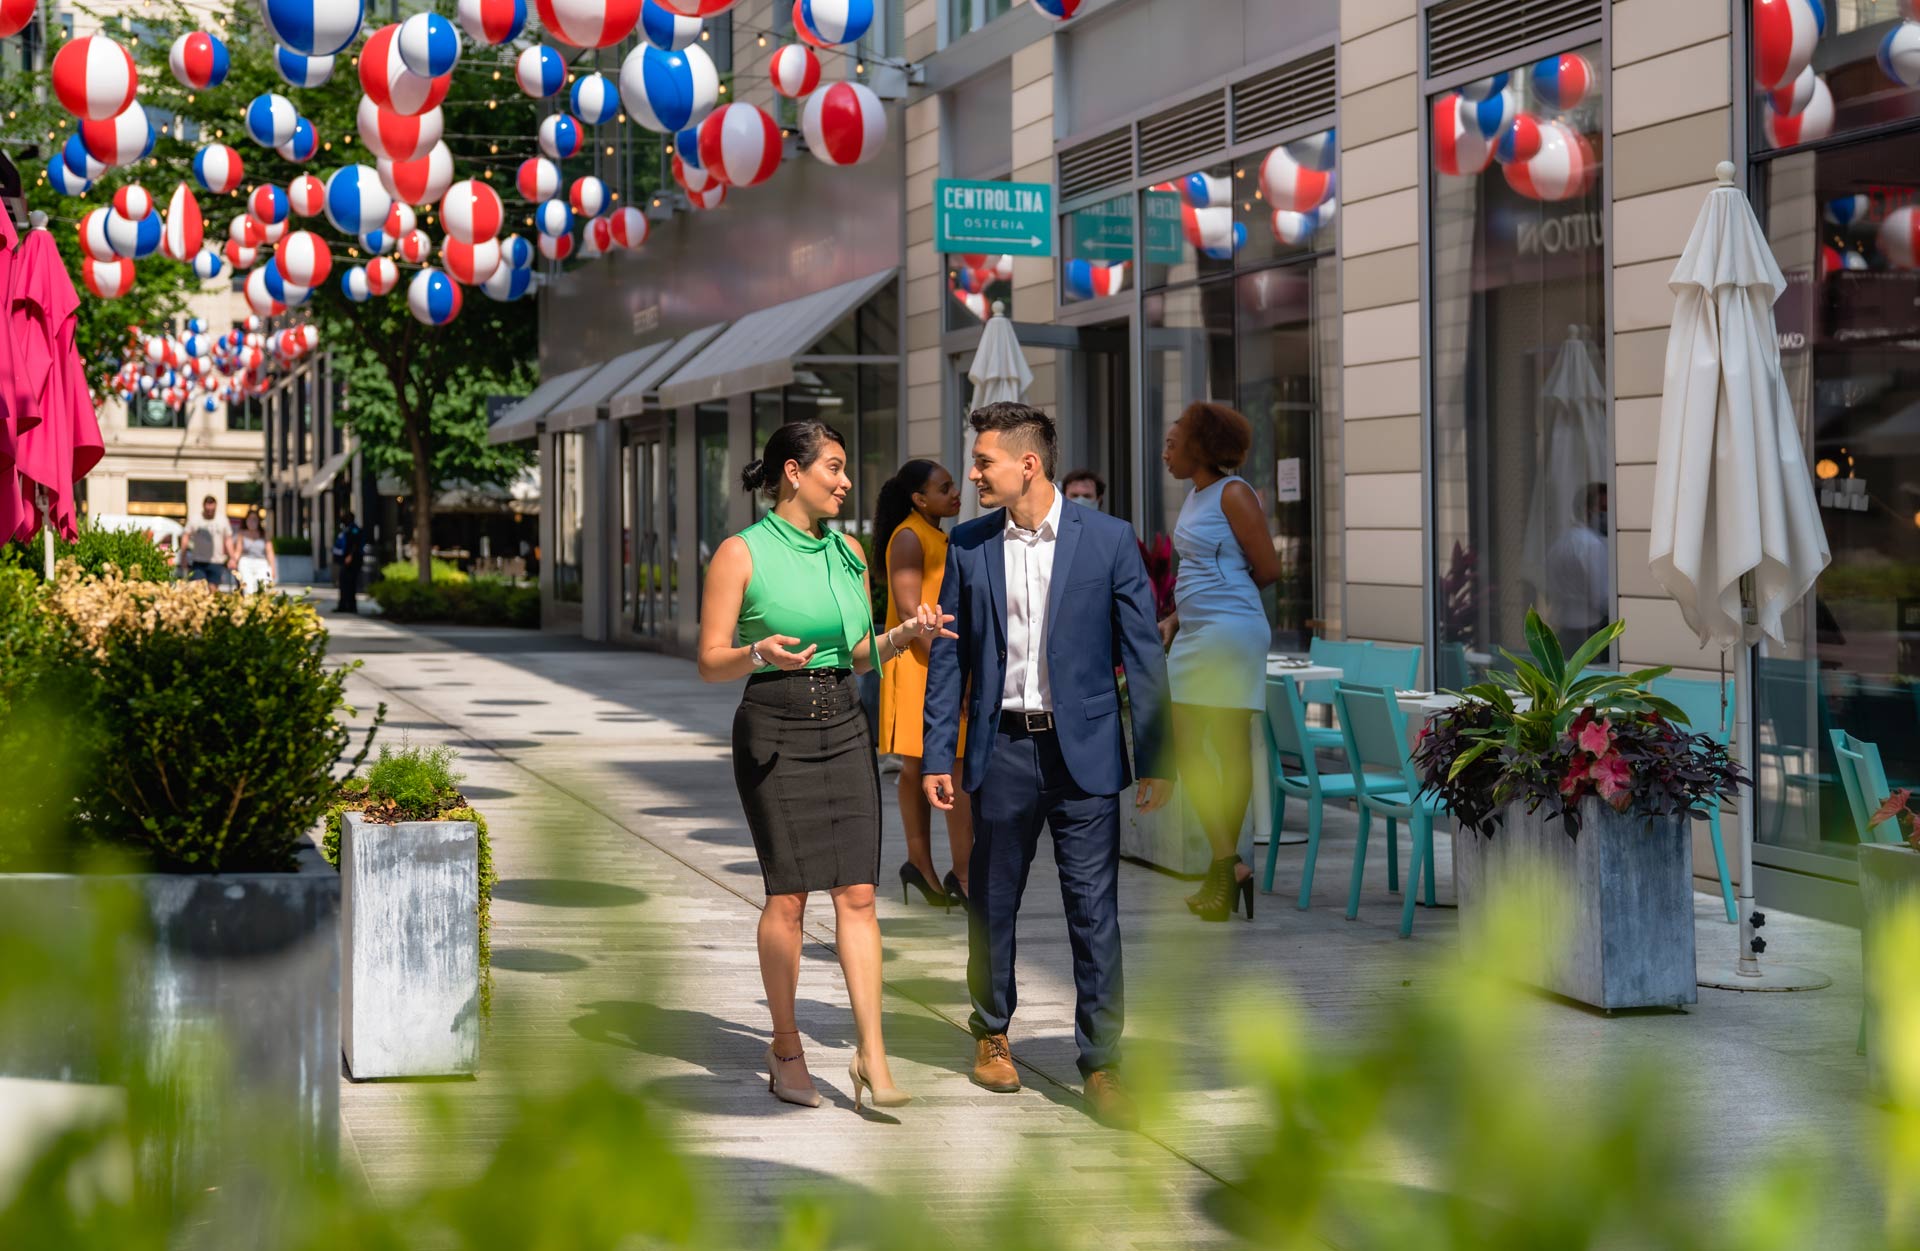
{"x":1025,"y":687}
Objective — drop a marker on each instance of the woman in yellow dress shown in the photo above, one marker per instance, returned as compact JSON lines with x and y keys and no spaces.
{"x":913,"y":557}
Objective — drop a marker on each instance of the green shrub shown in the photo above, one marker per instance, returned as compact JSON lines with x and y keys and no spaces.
{"x":292,"y":545}
{"x":47,"y":729}
{"x":418,"y":784}
{"x":130,"y":551}
{"x":445,"y":572}
{"x":218,"y":719}
{"x":480,"y":601}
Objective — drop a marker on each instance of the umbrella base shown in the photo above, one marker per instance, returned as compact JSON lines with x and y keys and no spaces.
{"x":1725,"y":975}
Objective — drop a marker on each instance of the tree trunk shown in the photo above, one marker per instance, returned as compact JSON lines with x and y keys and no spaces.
{"x":416,"y":424}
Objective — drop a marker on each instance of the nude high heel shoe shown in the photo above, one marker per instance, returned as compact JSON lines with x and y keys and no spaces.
{"x":887,"y":1098}
{"x":787,"y":1094}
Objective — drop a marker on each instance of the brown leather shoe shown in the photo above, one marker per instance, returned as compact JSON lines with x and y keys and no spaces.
{"x":993,"y":1064}
{"x":1110,"y":1105}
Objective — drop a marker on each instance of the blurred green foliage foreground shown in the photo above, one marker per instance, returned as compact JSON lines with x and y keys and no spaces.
{"x":1424,"y":1132}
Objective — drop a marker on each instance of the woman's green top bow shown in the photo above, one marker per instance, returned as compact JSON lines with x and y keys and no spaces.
{"x":812,"y":589}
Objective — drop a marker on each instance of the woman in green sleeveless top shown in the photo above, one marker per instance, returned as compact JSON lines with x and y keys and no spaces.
{"x":786,"y":607}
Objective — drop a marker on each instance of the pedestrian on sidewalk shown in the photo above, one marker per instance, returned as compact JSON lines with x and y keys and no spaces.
{"x":253,"y":560}
{"x":912,"y":552}
{"x":787,"y":607}
{"x":208,"y":548}
{"x":1219,"y":635}
{"x":349,"y":546}
{"x":1048,"y":602}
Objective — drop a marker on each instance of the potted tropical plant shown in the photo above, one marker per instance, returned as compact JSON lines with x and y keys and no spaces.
{"x":417,"y":879}
{"x":1587,"y":781}
{"x":1889,"y":884}
{"x":169,"y":748}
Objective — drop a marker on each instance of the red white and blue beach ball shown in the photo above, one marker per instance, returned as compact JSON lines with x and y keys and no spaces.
{"x":134,"y":240}
{"x":845,"y":124}
{"x":132,"y":202}
{"x":313,"y":27}
{"x":395,"y":136}
{"x":1784,"y":32}
{"x":665,"y":29}
{"x":199,"y":60}
{"x":540,"y":71}
{"x":1491,"y":115}
{"x":698,"y":8}
{"x":493,"y":22}
{"x":587,"y":197}
{"x":82,"y":162}
{"x":433,"y":298}
{"x":841,"y":21}
{"x":556,"y":247}
{"x":94,"y":78}
{"x":382,"y":275}
{"x":795,"y":70}
{"x":1563,"y":168}
{"x":1847,"y":210}
{"x":686,"y":146}
{"x":415,"y":247}
{"x":1287,"y":184}
{"x":304,"y":258}
{"x":1485,"y":88}
{"x":421,"y":181}
{"x":64,"y":181}
{"x":379,"y":242}
{"x":1058,"y":10}
{"x":268,"y":205}
{"x":740,"y":144}
{"x":1091,"y":280}
{"x":669,"y":91}
{"x":276,"y":283}
{"x":1204,"y":190}
{"x":356,"y":202}
{"x":302,"y":71}
{"x":429,"y":45}
{"x":594,"y":100}
{"x":270,"y":119}
{"x":93,"y":235}
{"x":207,"y":265}
{"x":218,"y":168}
{"x":629,"y":227}
{"x":1212,"y":231}
{"x":554,"y":218}
{"x":1458,"y":146}
{"x":259,"y":299}
{"x":516,"y":251}
{"x":1562,"y":82}
{"x":537,"y":180}
{"x":1316,"y":151}
{"x":589,"y":23}
{"x":508,"y":283}
{"x":1900,"y":239}
{"x":470,"y":264}
{"x":120,"y":140}
{"x":387,"y":81}
{"x":1811,"y":123}
{"x":471,"y":211}
{"x":559,"y":136}
{"x":304,"y":145}
{"x":1900,"y":54}
{"x":1520,"y":141}
{"x":1796,"y":95}
{"x":108,"y":280}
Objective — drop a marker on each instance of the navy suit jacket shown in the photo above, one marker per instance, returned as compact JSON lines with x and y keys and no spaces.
{"x":1100,"y":617}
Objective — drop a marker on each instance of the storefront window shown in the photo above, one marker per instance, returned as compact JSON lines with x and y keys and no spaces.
{"x":150,"y":498}
{"x":1841,"y":218}
{"x":975,"y":282}
{"x":1098,"y":259}
{"x":569,"y":483}
{"x":1823,"y":68}
{"x":966,"y":16}
{"x":1522,"y":453}
{"x":710,"y":452}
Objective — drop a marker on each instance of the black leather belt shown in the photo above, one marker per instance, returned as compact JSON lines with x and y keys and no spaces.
{"x":1026,"y":723}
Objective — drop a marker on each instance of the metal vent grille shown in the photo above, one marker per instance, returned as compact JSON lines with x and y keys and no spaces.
{"x":1103,"y":162}
{"x":1175,"y":136}
{"x":1468,"y":31}
{"x":1286,"y":97}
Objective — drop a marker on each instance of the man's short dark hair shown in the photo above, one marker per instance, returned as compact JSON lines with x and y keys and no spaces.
{"x":1024,"y":427}
{"x":1085,"y":475}
{"x":210,"y":500}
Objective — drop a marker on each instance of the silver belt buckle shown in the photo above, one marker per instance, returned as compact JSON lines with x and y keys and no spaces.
{"x":1037,"y":722}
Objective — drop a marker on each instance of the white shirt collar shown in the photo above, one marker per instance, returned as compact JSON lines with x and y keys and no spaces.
{"x":1050,"y":527}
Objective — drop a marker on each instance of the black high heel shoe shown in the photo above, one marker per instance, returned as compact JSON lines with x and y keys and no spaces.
{"x":955,"y":893}
{"x":912,"y":879}
{"x":1221,"y":890}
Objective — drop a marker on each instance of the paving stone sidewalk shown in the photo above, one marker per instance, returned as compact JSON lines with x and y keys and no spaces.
{"x":623,"y":931}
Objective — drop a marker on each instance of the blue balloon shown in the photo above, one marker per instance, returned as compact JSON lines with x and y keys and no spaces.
{"x":64,"y":181}
{"x":75,"y":156}
{"x":667,"y":30}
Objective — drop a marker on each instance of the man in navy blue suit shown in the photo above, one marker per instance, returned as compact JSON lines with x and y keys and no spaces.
{"x":1047,"y":602}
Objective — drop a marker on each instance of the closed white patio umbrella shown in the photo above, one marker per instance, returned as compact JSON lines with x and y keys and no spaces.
{"x":1737,"y":538}
{"x":999,"y":375}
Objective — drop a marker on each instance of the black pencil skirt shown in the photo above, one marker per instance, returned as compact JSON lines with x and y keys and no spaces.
{"x":808,"y":779}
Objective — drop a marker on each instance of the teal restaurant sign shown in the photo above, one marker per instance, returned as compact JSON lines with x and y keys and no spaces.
{"x":1009,"y":218}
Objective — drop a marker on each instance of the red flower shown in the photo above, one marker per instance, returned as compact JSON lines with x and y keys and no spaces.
{"x":1614,"y":780}
{"x":1575,"y":780}
{"x":1595,"y":738}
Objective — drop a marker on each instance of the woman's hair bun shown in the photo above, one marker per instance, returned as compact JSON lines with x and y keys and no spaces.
{"x":753,"y":477}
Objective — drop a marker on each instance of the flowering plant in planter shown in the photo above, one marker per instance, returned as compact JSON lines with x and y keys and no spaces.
{"x":1898,"y":808}
{"x":1571,"y":734}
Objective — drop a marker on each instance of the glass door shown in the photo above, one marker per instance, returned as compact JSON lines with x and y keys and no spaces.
{"x":1100,"y":427}
{"x":646,"y":557}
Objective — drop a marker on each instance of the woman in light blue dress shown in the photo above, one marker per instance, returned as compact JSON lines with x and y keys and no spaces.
{"x":1217,"y":665}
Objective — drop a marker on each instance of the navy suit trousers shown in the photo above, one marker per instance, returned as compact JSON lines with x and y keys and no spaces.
{"x":1027,"y":787}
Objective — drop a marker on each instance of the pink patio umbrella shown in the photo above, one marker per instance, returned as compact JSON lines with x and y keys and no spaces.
{"x":16,"y":412}
{"x":46,"y":375}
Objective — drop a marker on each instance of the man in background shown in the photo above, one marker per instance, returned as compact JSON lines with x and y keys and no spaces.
{"x":208,"y":545}
{"x":1083,"y":486}
{"x":349,"y":546}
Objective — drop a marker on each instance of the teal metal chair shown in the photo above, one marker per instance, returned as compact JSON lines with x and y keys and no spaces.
{"x":1395,"y":668}
{"x":1864,"y":779}
{"x":1701,"y":701}
{"x":1376,"y":733}
{"x":1287,"y":737}
{"x":1346,"y":656}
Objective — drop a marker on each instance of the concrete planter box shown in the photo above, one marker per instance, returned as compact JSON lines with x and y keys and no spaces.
{"x":1169,"y":839}
{"x":1623,"y":922}
{"x":250,"y":959}
{"x":1889,"y":881}
{"x":410,"y":943}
